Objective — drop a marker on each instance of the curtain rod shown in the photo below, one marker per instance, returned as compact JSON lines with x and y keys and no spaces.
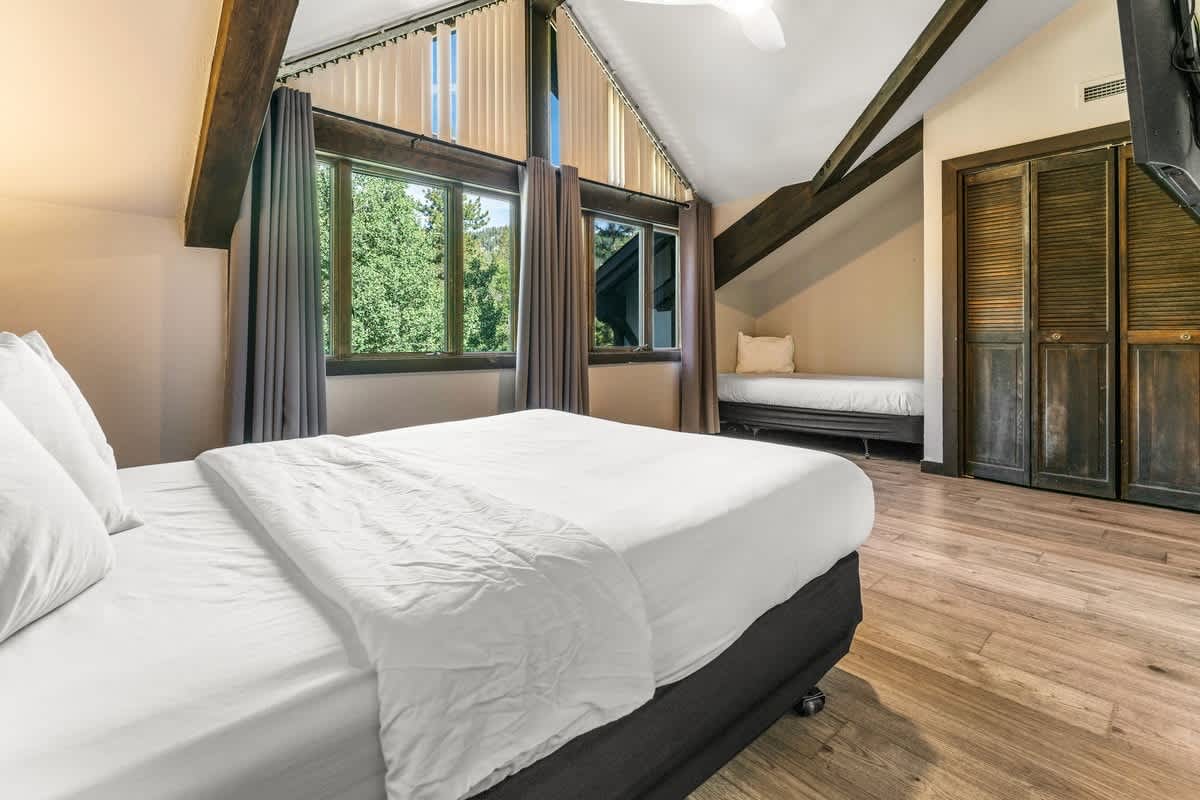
{"x":386,"y":35}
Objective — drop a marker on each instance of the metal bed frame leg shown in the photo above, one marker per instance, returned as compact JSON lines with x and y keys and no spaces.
{"x":866,"y":448}
{"x":811,"y":703}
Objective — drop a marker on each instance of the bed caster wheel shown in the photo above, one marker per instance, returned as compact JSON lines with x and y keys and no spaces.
{"x":811,"y":703}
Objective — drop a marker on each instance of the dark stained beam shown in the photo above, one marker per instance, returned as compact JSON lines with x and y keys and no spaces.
{"x":941,"y":32}
{"x":539,"y":15}
{"x":250,"y":42}
{"x":793,"y":209}
{"x":367,"y":141}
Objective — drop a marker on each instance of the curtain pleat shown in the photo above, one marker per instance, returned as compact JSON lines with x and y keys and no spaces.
{"x":276,"y":366}
{"x":552,"y":319}
{"x":697,"y":293}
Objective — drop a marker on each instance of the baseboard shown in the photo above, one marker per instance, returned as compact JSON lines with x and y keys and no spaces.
{"x":933,"y":468}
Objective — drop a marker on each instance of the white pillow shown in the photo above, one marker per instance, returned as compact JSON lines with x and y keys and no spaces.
{"x":765,"y":354}
{"x":35,"y":398}
{"x":87,"y":417}
{"x":53,"y":544}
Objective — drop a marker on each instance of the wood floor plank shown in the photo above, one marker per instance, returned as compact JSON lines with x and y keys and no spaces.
{"x":1015,"y":644}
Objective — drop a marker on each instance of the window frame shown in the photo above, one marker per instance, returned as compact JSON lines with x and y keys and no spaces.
{"x":342,"y":360}
{"x":612,"y":354}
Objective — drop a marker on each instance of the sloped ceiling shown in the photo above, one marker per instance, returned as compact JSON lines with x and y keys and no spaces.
{"x":737,"y":120}
{"x":740,"y":121}
{"x":323,"y":23}
{"x":102,"y":101}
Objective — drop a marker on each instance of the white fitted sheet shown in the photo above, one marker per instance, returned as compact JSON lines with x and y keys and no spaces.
{"x":858,"y":393}
{"x":204,"y":666}
{"x":199,"y":668}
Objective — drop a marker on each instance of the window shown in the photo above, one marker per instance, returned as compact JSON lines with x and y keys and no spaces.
{"x":452,"y":89}
{"x":324,"y":178}
{"x":635,"y":266}
{"x":413,"y":266}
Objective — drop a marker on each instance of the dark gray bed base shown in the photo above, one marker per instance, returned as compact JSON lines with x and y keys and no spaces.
{"x":886,"y":427}
{"x":690,"y":729}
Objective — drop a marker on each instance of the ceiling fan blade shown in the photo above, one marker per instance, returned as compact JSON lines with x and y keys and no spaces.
{"x":762,"y":28}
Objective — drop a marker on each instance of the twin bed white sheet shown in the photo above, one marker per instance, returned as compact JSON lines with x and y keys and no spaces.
{"x":857,"y":393}
{"x":206,"y":666}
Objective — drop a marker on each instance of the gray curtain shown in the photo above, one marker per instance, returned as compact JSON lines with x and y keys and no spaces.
{"x":276,"y":365}
{"x":552,"y":324}
{"x":697,"y":302}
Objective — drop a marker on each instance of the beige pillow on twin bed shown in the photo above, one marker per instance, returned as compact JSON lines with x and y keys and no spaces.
{"x":765,"y":354}
{"x":37,"y":399}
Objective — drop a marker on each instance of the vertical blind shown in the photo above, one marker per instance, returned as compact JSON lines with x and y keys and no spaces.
{"x":393,"y":84}
{"x":599,"y":131}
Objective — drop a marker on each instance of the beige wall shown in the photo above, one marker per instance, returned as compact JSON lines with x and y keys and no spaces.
{"x":1029,"y":94}
{"x":642,"y":394}
{"x":137,"y":319}
{"x":848,"y":289}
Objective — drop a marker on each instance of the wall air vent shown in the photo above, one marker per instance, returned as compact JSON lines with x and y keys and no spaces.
{"x":1107,"y":88}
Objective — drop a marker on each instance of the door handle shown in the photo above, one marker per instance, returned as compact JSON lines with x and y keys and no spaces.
{"x":1056,"y":336}
{"x":1185,"y":337}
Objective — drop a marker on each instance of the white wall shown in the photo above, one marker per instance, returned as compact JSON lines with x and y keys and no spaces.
{"x":137,"y":319}
{"x":1029,"y":94}
{"x":642,"y":394}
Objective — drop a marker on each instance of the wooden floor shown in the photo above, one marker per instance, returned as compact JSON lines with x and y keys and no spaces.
{"x":1016,"y":643}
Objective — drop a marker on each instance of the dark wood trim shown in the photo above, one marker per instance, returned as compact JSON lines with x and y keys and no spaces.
{"x":793,"y":209}
{"x":884,"y":427}
{"x":341,"y":281}
{"x":615,"y":356}
{"x":377,"y":365}
{"x":605,"y":199}
{"x":539,"y":17}
{"x":942,"y":31}
{"x":953,"y":171}
{"x":932,"y":467}
{"x":250,"y":42}
{"x":354,"y":138}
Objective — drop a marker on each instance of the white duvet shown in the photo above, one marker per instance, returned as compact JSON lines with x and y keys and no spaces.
{"x":497,"y":632}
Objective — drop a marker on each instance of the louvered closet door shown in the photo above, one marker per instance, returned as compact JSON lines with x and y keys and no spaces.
{"x":1160,"y":246}
{"x":1073,"y":369}
{"x":995,"y":369}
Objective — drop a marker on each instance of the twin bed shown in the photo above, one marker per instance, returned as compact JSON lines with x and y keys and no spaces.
{"x":866,"y":408}
{"x":656,"y":600}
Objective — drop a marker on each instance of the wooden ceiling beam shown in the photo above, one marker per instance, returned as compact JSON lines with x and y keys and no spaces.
{"x":941,"y":32}
{"x":793,"y":209}
{"x":249,"y":49}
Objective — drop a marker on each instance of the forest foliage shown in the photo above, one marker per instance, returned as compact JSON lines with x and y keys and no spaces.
{"x":399,"y":254}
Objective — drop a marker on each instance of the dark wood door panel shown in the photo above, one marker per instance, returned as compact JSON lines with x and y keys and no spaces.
{"x":1073,"y":244}
{"x":1163,"y":437}
{"x":1072,"y":449}
{"x":997,"y":437}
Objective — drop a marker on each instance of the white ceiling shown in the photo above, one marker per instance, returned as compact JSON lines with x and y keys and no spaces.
{"x":740,"y":121}
{"x":737,"y":120}
{"x":323,"y":23}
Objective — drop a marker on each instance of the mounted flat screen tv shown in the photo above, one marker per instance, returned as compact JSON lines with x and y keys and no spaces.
{"x":1161,"y":44}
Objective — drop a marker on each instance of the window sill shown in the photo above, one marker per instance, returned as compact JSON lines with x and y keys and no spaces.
{"x":632,"y":356}
{"x":382,"y":365}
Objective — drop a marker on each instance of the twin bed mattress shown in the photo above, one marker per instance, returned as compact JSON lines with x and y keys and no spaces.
{"x":205,"y":665}
{"x":850,"y":393}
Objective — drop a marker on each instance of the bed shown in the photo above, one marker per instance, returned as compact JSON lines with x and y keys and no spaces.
{"x":862,"y":407}
{"x":208,"y":665}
